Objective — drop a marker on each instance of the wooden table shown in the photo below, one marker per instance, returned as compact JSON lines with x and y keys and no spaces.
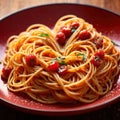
{"x":109,"y":113}
{"x":10,"y":6}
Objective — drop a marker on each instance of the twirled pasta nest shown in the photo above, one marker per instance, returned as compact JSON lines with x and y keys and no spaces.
{"x":70,"y":63}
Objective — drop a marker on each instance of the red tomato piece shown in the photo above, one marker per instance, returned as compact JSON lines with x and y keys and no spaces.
{"x":98,"y":57}
{"x":67,"y":31}
{"x":61,"y":38}
{"x":62,"y":70}
{"x":74,"y":25}
{"x":31,"y":60}
{"x":6,"y":72}
{"x":100,"y":54}
{"x":83,"y":35}
{"x":99,"y":42}
{"x":53,"y":66}
{"x":96,"y":61}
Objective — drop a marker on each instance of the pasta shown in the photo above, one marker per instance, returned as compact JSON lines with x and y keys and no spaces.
{"x":70,"y":63}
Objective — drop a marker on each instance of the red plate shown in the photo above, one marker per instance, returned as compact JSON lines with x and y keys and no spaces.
{"x":104,"y":21}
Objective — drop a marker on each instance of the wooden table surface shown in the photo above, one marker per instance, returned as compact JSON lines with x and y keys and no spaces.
{"x":10,"y":6}
{"x":109,"y":113}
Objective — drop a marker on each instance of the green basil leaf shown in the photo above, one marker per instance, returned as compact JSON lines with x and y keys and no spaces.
{"x":115,"y":43}
{"x":84,"y":56}
{"x":62,"y":63}
{"x":43,"y":35}
{"x":60,"y":60}
{"x":73,"y":30}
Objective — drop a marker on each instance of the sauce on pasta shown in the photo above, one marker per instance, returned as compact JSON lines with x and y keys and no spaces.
{"x":70,"y":63}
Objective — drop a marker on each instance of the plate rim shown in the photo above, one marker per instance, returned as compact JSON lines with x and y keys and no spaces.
{"x":62,"y":112}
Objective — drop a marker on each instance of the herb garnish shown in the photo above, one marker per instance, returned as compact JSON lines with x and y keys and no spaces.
{"x":115,"y":43}
{"x":43,"y":35}
{"x":84,"y":56}
{"x":73,"y":30}
{"x":60,"y":60}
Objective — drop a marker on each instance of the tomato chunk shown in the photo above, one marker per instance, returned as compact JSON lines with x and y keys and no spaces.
{"x":99,"y":42}
{"x":31,"y":60}
{"x":83,"y":35}
{"x":96,"y":61}
{"x":53,"y":66}
{"x":6,"y":72}
{"x":67,"y":31}
{"x":98,"y":58}
{"x":61,"y":38}
{"x":99,"y":54}
{"x":74,"y":25}
{"x":62,"y":69}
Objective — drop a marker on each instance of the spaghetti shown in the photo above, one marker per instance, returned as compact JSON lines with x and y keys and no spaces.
{"x":69,"y":63}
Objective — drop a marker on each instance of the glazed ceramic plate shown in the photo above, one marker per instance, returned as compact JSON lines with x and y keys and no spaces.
{"x":104,"y":21}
